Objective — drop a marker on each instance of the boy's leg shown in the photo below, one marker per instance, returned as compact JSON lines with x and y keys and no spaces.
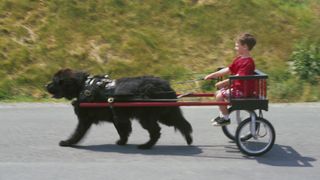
{"x":223,"y":109}
{"x":223,"y":119}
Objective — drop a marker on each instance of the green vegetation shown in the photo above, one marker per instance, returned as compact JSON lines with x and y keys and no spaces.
{"x":306,"y":61}
{"x":168,"y":38}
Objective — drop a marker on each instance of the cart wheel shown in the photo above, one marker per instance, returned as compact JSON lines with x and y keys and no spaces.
{"x":259,"y":143}
{"x":236,"y":117}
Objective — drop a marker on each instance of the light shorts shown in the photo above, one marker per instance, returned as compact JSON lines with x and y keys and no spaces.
{"x":235,"y":93}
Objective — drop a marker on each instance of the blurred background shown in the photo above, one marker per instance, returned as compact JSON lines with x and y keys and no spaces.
{"x":175,"y":39}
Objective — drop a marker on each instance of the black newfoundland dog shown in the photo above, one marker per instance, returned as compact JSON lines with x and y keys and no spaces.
{"x":81,"y":87}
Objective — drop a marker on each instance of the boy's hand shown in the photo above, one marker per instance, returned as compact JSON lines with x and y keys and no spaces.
{"x":207,"y":77}
{"x":217,"y":74}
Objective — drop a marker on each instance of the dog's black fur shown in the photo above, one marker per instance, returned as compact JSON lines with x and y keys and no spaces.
{"x":71,"y":84}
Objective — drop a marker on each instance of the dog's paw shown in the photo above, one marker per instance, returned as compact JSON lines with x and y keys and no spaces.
{"x":65,"y":143}
{"x":121,"y":142}
{"x":189,"y":140}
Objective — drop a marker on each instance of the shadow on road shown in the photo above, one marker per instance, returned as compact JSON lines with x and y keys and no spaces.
{"x":157,"y":150}
{"x":281,"y":155}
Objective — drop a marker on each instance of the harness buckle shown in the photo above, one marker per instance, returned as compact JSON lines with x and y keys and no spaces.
{"x":110,"y":100}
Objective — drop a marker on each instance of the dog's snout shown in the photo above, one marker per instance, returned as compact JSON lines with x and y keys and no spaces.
{"x":49,"y":87}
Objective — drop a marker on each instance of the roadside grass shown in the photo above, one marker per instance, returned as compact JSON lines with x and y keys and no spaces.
{"x":163,"y":38}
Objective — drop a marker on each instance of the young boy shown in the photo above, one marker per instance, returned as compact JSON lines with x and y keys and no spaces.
{"x":242,"y":65}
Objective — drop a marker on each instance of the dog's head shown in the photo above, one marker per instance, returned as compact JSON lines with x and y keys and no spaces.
{"x":67,"y":83}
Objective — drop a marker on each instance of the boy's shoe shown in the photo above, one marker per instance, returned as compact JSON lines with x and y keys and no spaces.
{"x":219,"y":121}
{"x":214,"y":119}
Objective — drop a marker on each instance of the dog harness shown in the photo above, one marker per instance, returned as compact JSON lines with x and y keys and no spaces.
{"x":97,"y":88}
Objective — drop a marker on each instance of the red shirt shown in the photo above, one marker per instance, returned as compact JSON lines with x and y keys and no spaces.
{"x":243,"y":66}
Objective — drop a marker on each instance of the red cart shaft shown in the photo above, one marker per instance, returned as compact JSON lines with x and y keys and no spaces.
{"x":152,"y":104}
{"x":198,"y":95}
{"x":158,"y":104}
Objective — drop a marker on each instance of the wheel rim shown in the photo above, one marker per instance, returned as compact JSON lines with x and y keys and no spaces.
{"x":261,"y":142}
{"x":230,"y":130}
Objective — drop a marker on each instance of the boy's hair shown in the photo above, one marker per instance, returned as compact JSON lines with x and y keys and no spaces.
{"x":247,"y":39}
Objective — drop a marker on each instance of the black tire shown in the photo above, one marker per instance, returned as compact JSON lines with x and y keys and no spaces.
{"x":259,"y":148}
{"x":230,"y":130}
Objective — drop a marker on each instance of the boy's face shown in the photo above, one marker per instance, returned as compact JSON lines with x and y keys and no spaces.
{"x":240,"y":48}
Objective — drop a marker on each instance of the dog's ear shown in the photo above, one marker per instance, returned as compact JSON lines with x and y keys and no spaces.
{"x":67,"y":72}
{"x":76,"y":76}
{"x":80,"y":77}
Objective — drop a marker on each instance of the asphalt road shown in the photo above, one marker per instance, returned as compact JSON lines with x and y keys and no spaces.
{"x":29,"y":136}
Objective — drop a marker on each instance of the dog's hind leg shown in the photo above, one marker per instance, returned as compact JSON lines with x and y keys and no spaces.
{"x":78,"y":134}
{"x":153,"y":128}
{"x":175,"y":118}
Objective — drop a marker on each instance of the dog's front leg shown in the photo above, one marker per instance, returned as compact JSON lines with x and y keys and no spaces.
{"x":78,"y":134}
{"x":124,"y":129}
{"x":122,"y":124}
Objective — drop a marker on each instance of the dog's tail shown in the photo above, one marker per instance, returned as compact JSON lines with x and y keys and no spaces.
{"x":185,"y":128}
{"x":174,"y":117}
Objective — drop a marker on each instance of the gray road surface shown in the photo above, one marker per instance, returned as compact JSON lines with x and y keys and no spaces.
{"x":29,"y":136}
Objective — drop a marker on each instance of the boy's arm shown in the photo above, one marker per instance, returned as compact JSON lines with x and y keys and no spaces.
{"x":219,"y":73}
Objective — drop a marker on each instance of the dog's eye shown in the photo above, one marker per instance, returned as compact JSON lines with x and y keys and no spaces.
{"x":61,"y":81}
{"x":58,"y":81}
{"x":55,"y":80}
